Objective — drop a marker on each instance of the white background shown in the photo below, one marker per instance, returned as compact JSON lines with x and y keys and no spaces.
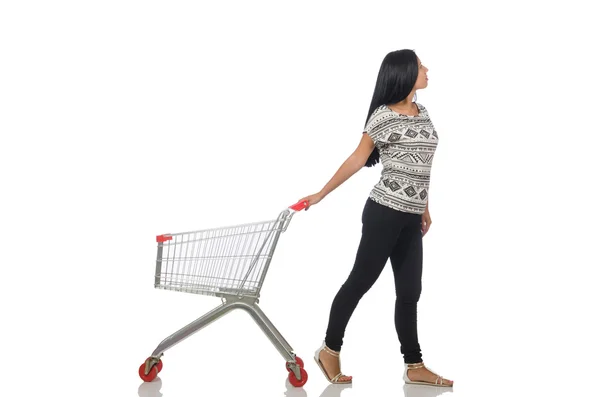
{"x":121,"y":120}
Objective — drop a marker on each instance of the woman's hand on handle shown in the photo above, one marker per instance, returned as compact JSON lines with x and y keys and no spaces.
{"x":312,"y":199}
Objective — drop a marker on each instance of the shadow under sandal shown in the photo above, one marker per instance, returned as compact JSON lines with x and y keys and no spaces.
{"x":335,"y":379}
{"x":439,"y":381}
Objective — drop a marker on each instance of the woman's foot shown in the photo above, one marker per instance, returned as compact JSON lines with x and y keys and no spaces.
{"x":331,"y":363}
{"x":423,"y":374}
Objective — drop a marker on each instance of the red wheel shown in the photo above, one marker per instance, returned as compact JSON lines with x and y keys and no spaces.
{"x":151,"y":376}
{"x":298,"y":383}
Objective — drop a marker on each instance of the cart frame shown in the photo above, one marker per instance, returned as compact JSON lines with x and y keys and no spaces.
{"x":235,"y":293}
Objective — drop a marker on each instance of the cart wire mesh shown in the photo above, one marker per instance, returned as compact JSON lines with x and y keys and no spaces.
{"x":224,"y":261}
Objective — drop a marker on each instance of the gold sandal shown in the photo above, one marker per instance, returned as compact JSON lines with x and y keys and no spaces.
{"x":335,"y":379}
{"x":439,"y":381}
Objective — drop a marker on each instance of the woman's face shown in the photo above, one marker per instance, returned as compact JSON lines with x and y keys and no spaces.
{"x":422,"y":76}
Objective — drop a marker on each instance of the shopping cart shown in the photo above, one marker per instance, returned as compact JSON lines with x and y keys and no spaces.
{"x":230,"y":263}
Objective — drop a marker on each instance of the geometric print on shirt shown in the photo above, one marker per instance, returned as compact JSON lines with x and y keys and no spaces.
{"x":406,"y":146}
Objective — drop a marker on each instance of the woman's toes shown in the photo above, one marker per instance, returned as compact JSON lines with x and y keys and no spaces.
{"x":447,"y":382}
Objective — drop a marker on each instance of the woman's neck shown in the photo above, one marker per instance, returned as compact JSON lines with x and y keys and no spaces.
{"x":405,"y":104}
{"x":405,"y":108}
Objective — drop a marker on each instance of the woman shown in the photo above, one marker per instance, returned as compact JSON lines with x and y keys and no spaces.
{"x":396,"y":215}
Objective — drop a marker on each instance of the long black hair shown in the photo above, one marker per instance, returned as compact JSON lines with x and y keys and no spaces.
{"x":397,"y":77}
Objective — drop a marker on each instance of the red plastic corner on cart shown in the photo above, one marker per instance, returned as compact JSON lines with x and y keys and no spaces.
{"x":162,"y":238}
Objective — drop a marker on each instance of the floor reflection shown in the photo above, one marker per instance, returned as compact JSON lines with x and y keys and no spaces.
{"x":292,"y":391}
{"x":425,"y":391}
{"x":150,"y":389}
{"x":335,"y":390}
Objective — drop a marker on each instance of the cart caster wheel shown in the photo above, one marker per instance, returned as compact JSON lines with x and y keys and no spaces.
{"x":151,"y":376}
{"x":298,"y":383}
{"x":298,"y":361}
{"x":153,"y":372}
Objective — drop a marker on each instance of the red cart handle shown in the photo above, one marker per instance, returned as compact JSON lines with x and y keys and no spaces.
{"x":300,"y":205}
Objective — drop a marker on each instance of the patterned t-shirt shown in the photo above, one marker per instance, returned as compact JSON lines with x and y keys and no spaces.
{"x":406,"y":147}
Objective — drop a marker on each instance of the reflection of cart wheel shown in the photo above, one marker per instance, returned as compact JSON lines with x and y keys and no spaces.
{"x":298,"y":361}
{"x":298,"y":383}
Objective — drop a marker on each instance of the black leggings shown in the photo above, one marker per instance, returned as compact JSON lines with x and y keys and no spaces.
{"x":386,"y":233}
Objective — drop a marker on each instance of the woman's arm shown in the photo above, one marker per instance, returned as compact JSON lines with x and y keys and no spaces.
{"x":350,"y":167}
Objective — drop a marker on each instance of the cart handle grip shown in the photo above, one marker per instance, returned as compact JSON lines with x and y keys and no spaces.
{"x":300,"y":205}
